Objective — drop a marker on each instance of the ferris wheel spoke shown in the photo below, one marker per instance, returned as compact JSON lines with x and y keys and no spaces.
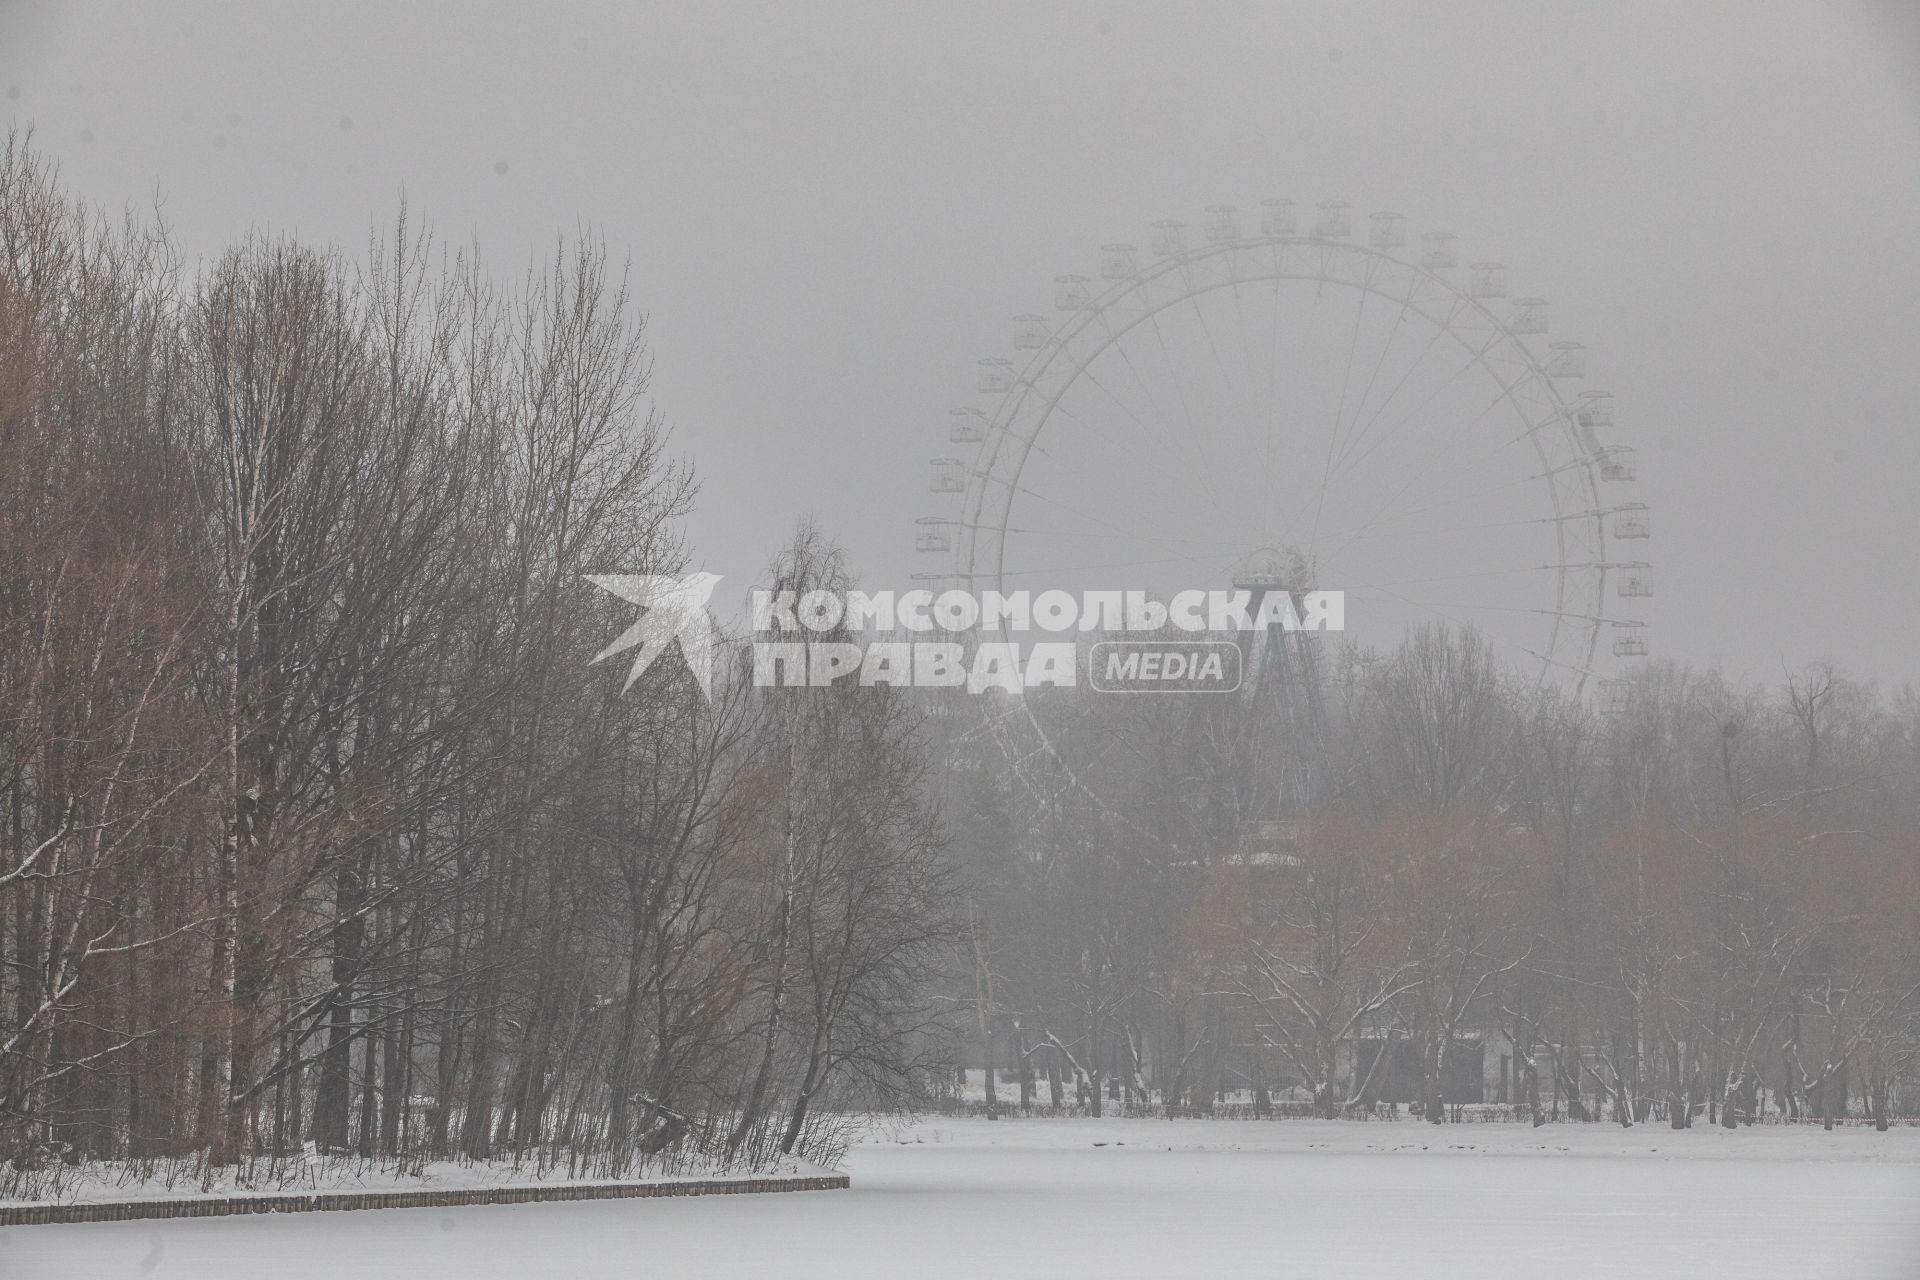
{"x":1453,"y":605}
{"x":1339,"y":413}
{"x":1475,"y":359}
{"x":1421,"y":468}
{"x":1479,"y":526}
{"x":1157,"y":439}
{"x":1269,"y":415}
{"x":1111,"y":564}
{"x":1122,"y":530}
{"x":1093,"y":535}
{"x":1199,"y":471}
{"x":1440,"y":334}
{"x":1219,"y":361}
{"x":1265,"y":421}
{"x":1180,"y":394}
{"x":1358,"y":533}
{"x":1272,"y":435}
{"x":1251,"y":370}
{"x":1373,"y":376}
{"x":1478,"y":575}
{"x":1417,"y":474}
{"x":1499,"y":444}
{"x":1264,"y":418}
{"x":1241,"y":327}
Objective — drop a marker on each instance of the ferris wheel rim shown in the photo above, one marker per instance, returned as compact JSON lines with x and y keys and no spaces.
{"x":1561,"y":412}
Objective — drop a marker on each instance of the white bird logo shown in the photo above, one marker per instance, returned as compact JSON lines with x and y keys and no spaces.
{"x":675,"y":609}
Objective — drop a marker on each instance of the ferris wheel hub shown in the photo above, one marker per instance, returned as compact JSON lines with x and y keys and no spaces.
{"x":1267,"y":567}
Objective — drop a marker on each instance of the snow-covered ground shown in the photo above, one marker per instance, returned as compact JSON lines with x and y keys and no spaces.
{"x":1143,"y":1198}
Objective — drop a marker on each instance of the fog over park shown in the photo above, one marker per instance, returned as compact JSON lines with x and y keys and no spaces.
{"x":831,"y":212}
{"x":978,"y":639}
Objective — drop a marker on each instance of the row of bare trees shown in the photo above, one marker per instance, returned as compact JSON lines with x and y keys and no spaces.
{"x":1706,"y":904}
{"x":319,"y":826}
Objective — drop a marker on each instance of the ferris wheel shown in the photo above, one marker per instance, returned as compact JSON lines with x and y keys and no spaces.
{"x":1280,"y":387}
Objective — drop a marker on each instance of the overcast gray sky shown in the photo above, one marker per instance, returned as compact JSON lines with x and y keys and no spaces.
{"x":832,"y":210}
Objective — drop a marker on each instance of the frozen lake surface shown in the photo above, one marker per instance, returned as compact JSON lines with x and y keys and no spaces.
{"x":1166,"y":1200}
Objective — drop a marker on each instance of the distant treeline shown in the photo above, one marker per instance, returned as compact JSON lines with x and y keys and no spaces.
{"x":1704,"y":902}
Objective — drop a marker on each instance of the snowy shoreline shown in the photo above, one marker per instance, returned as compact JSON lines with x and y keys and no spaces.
{"x":309,"y":1182}
{"x":222,"y":1203}
{"x":1853,"y":1144}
